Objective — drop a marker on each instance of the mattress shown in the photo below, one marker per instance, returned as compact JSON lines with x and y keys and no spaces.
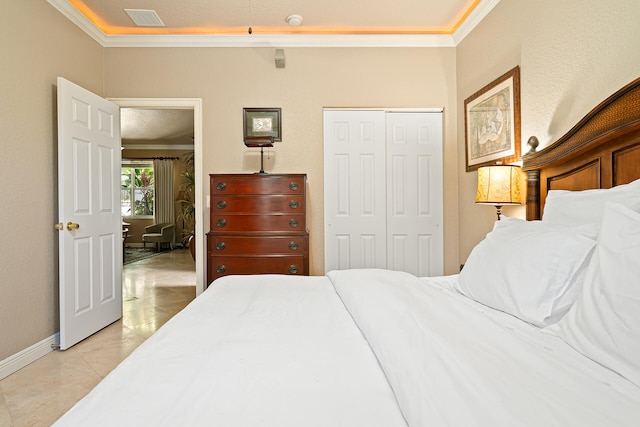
{"x":354,"y":348}
{"x":250,"y":351}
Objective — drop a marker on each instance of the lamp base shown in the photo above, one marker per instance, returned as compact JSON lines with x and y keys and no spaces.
{"x":262,"y":172}
{"x":499,"y":211}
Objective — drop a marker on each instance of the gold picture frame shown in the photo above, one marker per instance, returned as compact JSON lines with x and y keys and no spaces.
{"x":492,"y":122}
{"x":262,"y":122}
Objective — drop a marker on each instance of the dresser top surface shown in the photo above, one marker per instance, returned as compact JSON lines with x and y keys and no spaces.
{"x":256,"y":175}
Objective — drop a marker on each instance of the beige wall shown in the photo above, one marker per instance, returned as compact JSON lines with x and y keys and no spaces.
{"x":37,"y":44}
{"x":228,"y":79}
{"x":573,"y":54}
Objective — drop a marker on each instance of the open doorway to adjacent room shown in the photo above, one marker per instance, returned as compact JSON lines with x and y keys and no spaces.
{"x":161,"y":147}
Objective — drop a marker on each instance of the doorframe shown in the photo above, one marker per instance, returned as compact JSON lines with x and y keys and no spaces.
{"x":194,"y":104}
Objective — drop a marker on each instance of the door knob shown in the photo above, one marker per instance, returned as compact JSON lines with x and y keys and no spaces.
{"x":59,"y":226}
{"x":72,"y":226}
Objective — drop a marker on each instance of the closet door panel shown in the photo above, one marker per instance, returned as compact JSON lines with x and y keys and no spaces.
{"x":354,"y":189}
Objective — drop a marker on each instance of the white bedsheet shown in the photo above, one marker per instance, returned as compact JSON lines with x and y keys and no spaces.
{"x":454,"y":362}
{"x":283,"y":351}
{"x":250,"y":351}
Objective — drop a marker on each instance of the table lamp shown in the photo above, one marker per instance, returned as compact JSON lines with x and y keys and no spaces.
{"x":499,"y":185}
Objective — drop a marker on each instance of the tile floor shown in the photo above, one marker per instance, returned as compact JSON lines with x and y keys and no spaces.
{"x":154,"y":289}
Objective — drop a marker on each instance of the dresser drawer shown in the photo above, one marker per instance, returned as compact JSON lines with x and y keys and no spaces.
{"x":219,"y":266}
{"x":252,"y":184}
{"x":230,"y":245}
{"x":257,"y":225}
{"x":294,"y":223}
{"x":259,"y":204}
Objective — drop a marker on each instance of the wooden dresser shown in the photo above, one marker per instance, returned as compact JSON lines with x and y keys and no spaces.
{"x":258,"y":225}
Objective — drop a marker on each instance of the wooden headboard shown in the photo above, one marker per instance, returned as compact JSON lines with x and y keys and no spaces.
{"x":601,"y":151}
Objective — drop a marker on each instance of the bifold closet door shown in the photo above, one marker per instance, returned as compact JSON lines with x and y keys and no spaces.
{"x":414,"y":193}
{"x":383,"y":190}
{"x":354,"y":189}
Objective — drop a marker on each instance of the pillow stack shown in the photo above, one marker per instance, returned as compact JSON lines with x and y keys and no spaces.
{"x":576,"y":272}
{"x":604,"y":323}
{"x":529,"y":269}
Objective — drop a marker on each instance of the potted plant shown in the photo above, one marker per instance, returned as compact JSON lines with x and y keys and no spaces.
{"x":187,"y":203}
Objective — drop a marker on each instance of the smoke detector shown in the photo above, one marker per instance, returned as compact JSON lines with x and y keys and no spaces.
{"x":294,"y":20}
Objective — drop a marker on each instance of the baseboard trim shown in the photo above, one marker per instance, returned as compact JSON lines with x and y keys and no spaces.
{"x":29,"y":355}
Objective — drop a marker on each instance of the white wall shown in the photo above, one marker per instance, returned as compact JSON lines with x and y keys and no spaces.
{"x":573,"y":54}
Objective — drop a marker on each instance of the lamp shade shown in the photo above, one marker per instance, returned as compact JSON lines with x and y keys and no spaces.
{"x":499,"y":185}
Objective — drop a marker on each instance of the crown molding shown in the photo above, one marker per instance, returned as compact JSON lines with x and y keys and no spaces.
{"x":475,"y":17}
{"x":291,"y":40}
{"x":300,"y":40}
{"x":64,"y":7}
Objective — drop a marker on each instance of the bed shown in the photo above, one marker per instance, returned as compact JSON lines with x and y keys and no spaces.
{"x":541,"y":327}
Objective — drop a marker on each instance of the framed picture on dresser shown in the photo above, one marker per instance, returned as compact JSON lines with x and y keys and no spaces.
{"x":263,"y":122}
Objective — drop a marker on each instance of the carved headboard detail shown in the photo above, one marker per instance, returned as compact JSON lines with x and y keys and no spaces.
{"x":602,"y":150}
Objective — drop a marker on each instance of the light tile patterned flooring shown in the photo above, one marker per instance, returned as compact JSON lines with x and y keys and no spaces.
{"x":154,"y":289}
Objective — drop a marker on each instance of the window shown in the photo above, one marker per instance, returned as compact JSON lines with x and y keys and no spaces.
{"x":137,"y":189}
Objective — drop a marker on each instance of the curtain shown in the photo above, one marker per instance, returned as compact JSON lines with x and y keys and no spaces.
{"x":164,"y":201}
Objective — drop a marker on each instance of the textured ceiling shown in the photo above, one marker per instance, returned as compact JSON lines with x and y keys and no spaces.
{"x":152,"y":127}
{"x":236,"y":16}
{"x":227,"y":23}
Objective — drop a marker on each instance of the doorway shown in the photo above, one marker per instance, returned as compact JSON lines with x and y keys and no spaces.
{"x":194,"y":104}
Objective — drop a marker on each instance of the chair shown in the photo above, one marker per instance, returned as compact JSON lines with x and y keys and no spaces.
{"x":158,"y":234}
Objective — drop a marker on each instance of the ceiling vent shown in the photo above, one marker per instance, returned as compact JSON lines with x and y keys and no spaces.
{"x":145,"y":18}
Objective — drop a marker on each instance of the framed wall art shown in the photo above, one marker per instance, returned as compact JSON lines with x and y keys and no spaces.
{"x":262,"y":122}
{"x":492,"y":122}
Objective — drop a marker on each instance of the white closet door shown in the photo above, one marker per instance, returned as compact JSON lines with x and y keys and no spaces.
{"x":414,"y":193}
{"x":354,"y":189}
{"x":383,"y":191}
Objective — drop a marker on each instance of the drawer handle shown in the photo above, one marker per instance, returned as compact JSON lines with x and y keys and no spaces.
{"x":293,"y":269}
{"x":221,"y":186}
{"x":293,"y":204}
{"x":221,"y":204}
{"x":293,"y":222}
{"x":221,"y":268}
{"x":221,"y":246}
{"x":293,"y":246}
{"x":221,"y":223}
{"x":293,"y":186}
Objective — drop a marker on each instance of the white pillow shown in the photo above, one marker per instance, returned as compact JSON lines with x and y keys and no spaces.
{"x":604,"y":323}
{"x":586,"y":207}
{"x":530,"y":269}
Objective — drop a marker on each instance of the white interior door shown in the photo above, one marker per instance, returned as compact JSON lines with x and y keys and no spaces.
{"x":354,"y":189}
{"x":414,"y":193}
{"x":90,"y":238}
{"x":383,"y":190}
